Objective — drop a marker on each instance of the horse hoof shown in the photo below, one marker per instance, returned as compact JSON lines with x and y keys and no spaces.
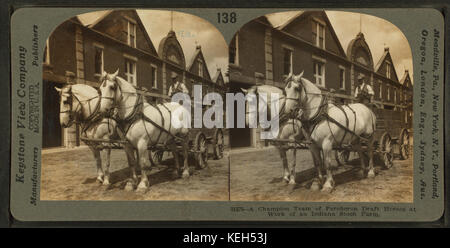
{"x":371,"y":174}
{"x":315,"y":186}
{"x":327,"y":189}
{"x":185,"y":174}
{"x":141,"y":190}
{"x":328,"y":186}
{"x":100,"y":179}
{"x":129,"y":186}
{"x":285,"y":180}
{"x":143,"y":187}
{"x":106,"y":183}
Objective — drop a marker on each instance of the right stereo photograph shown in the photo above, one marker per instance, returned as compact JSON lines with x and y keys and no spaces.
{"x":328,"y":109}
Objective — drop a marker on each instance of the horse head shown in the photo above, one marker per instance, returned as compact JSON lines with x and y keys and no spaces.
{"x":294,"y":91}
{"x":248,"y":102}
{"x":110,"y":91}
{"x":67,"y":110}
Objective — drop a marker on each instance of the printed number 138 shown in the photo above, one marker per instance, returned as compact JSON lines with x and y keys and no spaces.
{"x":226,"y":17}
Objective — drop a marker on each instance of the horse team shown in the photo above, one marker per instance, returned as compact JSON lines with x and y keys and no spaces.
{"x":118,"y":111}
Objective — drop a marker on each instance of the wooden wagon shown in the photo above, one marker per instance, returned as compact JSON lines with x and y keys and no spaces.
{"x":392,"y":137}
{"x":202,"y":142}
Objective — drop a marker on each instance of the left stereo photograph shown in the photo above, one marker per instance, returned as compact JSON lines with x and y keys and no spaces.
{"x":108,"y":128}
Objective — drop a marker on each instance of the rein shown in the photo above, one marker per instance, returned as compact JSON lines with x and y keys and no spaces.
{"x":301,"y":103}
{"x":138,"y":114}
{"x":79,"y":110}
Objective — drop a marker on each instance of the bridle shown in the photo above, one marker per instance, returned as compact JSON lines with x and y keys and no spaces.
{"x":110,"y":98}
{"x":116,"y":101}
{"x":302,"y":100}
{"x":74,"y":113}
{"x":70,"y":111}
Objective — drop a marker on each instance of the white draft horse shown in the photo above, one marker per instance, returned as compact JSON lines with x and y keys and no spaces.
{"x":80,"y":104}
{"x":290,"y":128}
{"x":329,"y":126}
{"x":144,"y":124}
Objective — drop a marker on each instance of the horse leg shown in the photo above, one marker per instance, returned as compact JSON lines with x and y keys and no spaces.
{"x":371,"y":172}
{"x":98,"y":161}
{"x":173,"y":148}
{"x":317,"y":158}
{"x":107,"y":153}
{"x":185,"y":173}
{"x":327,"y":148}
{"x":291,"y":166}
{"x":129,"y":151}
{"x":285,"y":174}
{"x":144,"y":164}
{"x":358,"y":148}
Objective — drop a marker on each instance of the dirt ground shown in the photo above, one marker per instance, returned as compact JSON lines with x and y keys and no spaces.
{"x":71,"y":175}
{"x":256,"y":176}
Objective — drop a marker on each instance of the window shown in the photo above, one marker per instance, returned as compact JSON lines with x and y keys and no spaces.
{"x":98,"y":60}
{"x":388,"y":69}
{"x":319,"y":73}
{"x":233,"y":51}
{"x":342,"y":77}
{"x":388,"y":92}
{"x":47,"y":52}
{"x":395,"y":95}
{"x":200,"y":67}
{"x":192,"y":85}
{"x":318,"y":33}
{"x":131,"y":33}
{"x":380,"y":90}
{"x":130,"y":71}
{"x":154,"y":77}
{"x":287,"y":61}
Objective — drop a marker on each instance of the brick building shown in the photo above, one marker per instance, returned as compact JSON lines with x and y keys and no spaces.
{"x":78,"y":52}
{"x":262,"y":52}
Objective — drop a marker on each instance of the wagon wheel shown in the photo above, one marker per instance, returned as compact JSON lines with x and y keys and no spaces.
{"x":218,"y":144}
{"x":387,"y":151}
{"x":342,"y":157}
{"x":404,"y":144}
{"x":156,"y":157}
{"x":201,"y":150}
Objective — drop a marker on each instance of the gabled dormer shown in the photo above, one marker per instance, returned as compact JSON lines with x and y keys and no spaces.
{"x":197,"y":64}
{"x":386,"y":67}
{"x":126,"y":27}
{"x":358,"y":51}
{"x":171,"y":51}
{"x":218,"y":78}
{"x":406,"y":80}
{"x":315,"y":28}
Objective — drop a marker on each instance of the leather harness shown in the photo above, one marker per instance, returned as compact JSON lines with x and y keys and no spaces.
{"x":94,"y":118}
{"x":138,"y":114}
{"x":308,"y":125}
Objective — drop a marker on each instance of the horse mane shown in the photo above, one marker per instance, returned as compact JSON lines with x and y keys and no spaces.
{"x":84,"y":92}
{"x":125,"y":85}
{"x":270,"y":89}
{"x":312,"y":88}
